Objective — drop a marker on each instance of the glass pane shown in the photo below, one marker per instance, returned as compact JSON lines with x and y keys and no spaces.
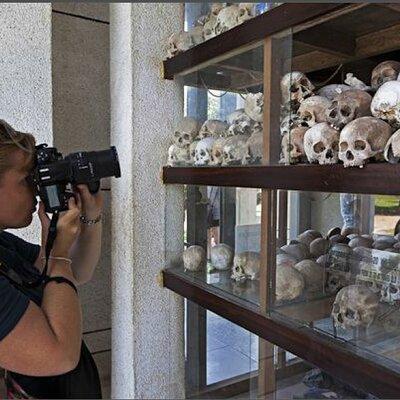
{"x":337,"y":269}
{"x":222,"y":241}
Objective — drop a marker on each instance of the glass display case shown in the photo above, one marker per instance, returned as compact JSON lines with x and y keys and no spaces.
{"x":291,"y":179}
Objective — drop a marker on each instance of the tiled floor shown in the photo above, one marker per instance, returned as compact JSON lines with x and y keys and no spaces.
{"x":231,"y":350}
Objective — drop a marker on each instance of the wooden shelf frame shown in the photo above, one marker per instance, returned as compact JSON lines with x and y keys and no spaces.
{"x":337,"y":358}
{"x":383,"y":178}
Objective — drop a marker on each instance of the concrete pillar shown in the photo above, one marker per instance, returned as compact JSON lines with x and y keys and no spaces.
{"x":81,"y":120}
{"x":25,"y":78}
{"x":147,"y":321}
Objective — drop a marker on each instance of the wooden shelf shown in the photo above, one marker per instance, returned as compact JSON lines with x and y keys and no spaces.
{"x":246,"y":34}
{"x":381,"y":178}
{"x":368,"y":371}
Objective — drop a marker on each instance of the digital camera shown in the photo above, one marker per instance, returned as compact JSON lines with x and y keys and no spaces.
{"x":52,"y":174}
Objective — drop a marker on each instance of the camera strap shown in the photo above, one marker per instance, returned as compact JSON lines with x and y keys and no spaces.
{"x":51,"y":236}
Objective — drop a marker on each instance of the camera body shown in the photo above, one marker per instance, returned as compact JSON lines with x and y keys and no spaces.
{"x":53,"y":173}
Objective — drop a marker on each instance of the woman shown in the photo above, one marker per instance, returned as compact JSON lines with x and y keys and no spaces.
{"x":41,"y":345}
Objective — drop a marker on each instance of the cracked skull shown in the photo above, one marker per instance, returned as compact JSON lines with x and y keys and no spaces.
{"x":185,"y":132}
{"x":203,"y":152}
{"x":386,"y":103}
{"x":392,"y":148}
{"x":354,"y":306}
{"x":213,"y":128}
{"x":246,"y":265}
{"x":234,"y":150}
{"x":384,"y":72}
{"x":254,"y":106}
{"x":321,"y":144}
{"x":348,"y":106}
{"x":194,"y":258}
{"x":362,"y":139}
{"x":313,"y":110}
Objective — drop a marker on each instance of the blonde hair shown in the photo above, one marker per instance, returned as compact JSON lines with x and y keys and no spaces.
{"x":12,"y":140}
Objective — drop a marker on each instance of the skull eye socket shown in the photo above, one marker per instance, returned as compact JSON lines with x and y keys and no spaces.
{"x":176,"y":134}
{"x":293,"y":88}
{"x":290,"y":147}
{"x":343,"y":146}
{"x":186,"y":136}
{"x":392,"y":290}
{"x":307,"y":116}
{"x":319,"y":147}
{"x":359,"y":145}
{"x":202,"y":153}
{"x":336,"y":308}
{"x":350,"y":314}
{"x":217,"y":153}
{"x":303,"y":82}
{"x":345,"y":111}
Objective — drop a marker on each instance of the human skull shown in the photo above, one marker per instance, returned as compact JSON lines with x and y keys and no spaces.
{"x":392,"y":148}
{"x":308,"y":236}
{"x":221,"y":256}
{"x":209,"y":27}
{"x":241,"y":124}
{"x":194,"y":258}
{"x":178,"y":156}
{"x":384,"y":72}
{"x":360,"y":241}
{"x":354,"y":306}
{"x":321,"y":144}
{"x":203,"y":151}
{"x":227,"y":19}
{"x":246,"y":265}
{"x":234,"y":150}
{"x":348,"y":106}
{"x":213,"y":128}
{"x":216,"y":8}
{"x":295,"y":87}
{"x":331,"y":91}
{"x":185,"y":132}
{"x":254,"y":106}
{"x":197,"y":35}
{"x":355,"y":83}
{"x":386,"y":103}
{"x":313,"y":275}
{"x":313,"y":110}
{"x":318,"y":247}
{"x":292,"y":146}
{"x":178,"y":42}
{"x":362,"y":139}
{"x":289,"y":283}
{"x":246,"y":12}
{"x":289,"y":122}
{"x":192,"y":152}
{"x":297,"y":250}
{"x":217,"y":152}
{"x":284,"y":259}
{"x":254,"y":149}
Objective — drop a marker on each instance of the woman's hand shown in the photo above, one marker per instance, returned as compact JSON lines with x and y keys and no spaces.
{"x":68,"y":228}
{"x":92,"y":204}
